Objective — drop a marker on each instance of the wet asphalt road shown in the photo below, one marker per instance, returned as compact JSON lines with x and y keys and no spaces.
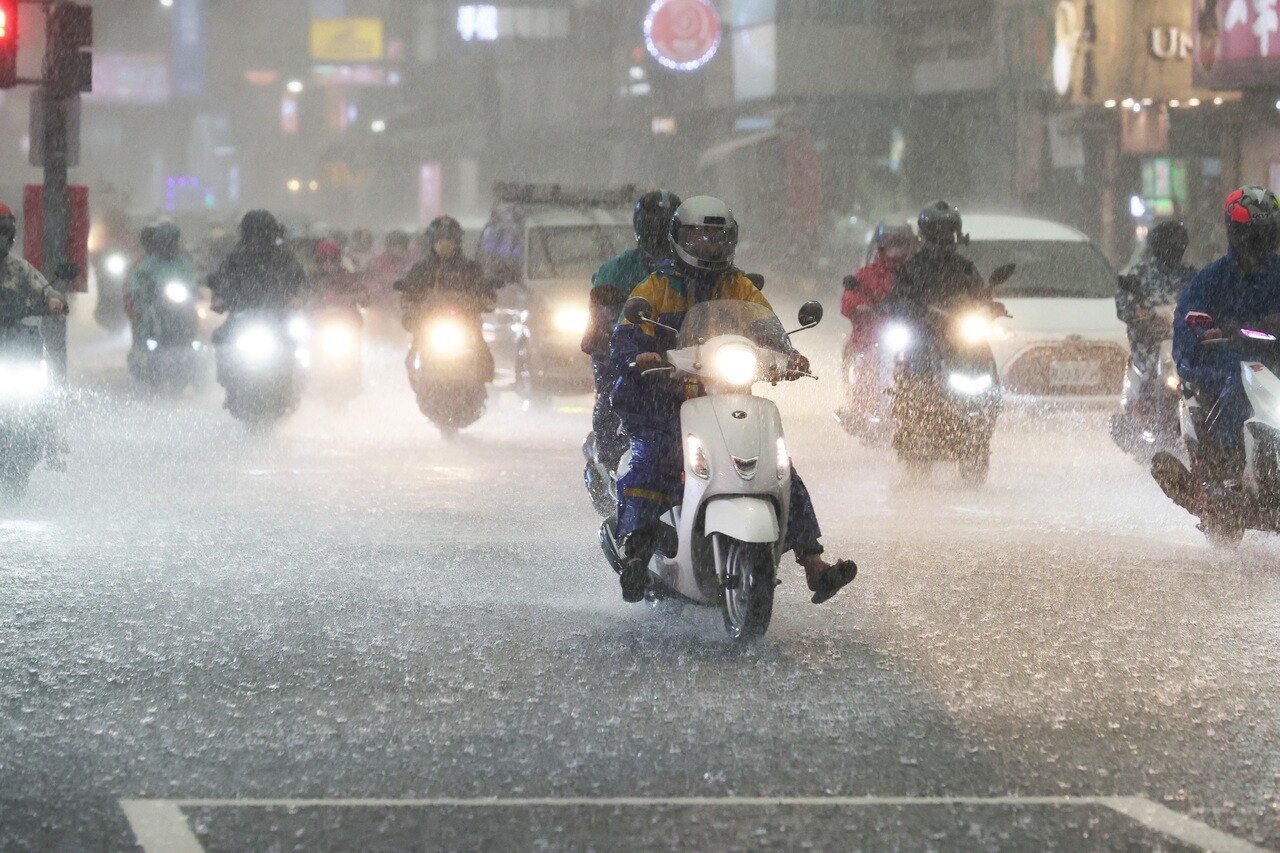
{"x":383,"y":628}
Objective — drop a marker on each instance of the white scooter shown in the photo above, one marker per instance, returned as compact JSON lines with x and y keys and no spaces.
{"x":1227,"y":509}
{"x":723,"y":542}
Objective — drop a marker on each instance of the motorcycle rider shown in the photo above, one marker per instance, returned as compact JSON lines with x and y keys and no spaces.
{"x":1154,"y":283}
{"x":1241,"y":287}
{"x":164,"y":262}
{"x":18,"y":276}
{"x":703,"y":235}
{"x":937,"y":273}
{"x":259,"y":274}
{"x":332,"y":284}
{"x":445,"y":271}
{"x":611,"y":285}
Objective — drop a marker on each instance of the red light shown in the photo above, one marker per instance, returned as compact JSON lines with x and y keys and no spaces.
{"x":4,"y":24}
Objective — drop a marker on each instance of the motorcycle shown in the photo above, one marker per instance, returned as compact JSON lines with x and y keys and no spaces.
{"x":336,"y":354}
{"x":449,"y":365}
{"x":1227,"y":509}
{"x":1148,"y":416}
{"x":946,"y":392}
{"x":261,"y":365}
{"x":171,"y":356}
{"x":721,"y":545}
{"x":28,"y":397}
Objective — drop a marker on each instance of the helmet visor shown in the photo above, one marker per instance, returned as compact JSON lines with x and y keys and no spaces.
{"x":708,"y":243}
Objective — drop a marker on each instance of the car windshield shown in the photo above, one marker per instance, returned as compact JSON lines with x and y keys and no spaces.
{"x":753,"y":320}
{"x":575,"y":251}
{"x":1046,"y":268}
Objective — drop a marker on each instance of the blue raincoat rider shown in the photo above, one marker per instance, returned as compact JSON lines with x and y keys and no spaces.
{"x":1238,"y":289}
{"x":610,"y":287}
{"x":703,"y":235}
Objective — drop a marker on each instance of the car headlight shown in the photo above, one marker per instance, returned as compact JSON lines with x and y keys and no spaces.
{"x":696,"y":456}
{"x":337,"y":339}
{"x":974,"y":328}
{"x":737,"y":364}
{"x":117,"y":264}
{"x":896,"y":337}
{"x":970,"y":383}
{"x":571,"y":321}
{"x":257,"y":344}
{"x":446,"y":337}
{"x":177,"y":292}
{"x":784,"y":459}
{"x":23,"y":381}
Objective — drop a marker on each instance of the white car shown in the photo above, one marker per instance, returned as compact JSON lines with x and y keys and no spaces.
{"x":1063,"y":339}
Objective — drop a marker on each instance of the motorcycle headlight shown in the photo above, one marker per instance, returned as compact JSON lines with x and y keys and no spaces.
{"x":177,"y":292}
{"x":338,"y":340}
{"x":696,"y":456}
{"x":974,"y":328}
{"x":737,"y":364}
{"x":446,"y":337}
{"x":896,"y":337}
{"x":970,"y":383}
{"x":784,"y":459}
{"x":257,"y":345}
{"x":23,"y":381}
{"x":117,"y":264}
{"x":299,"y":328}
{"x":571,"y":321}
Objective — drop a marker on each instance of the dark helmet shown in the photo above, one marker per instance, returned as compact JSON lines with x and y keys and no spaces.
{"x":1167,"y":243}
{"x":704,"y":233}
{"x":652,"y":219}
{"x":1252,"y":215}
{"x":893,"y":239}
{"x":147,"y":239}
{"x":940,"y":223}
{"x":444,"y":228}
{"x":259,"y":226}
{"x":166,"y":238}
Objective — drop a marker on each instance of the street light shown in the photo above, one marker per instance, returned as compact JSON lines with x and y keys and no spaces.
{"x":294,"y":185}
{"x":378,"y":126}
{"x":294,"y":87}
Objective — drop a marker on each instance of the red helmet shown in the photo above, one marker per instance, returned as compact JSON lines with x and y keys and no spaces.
{"x":1251,"y":204}
{"x":328,"y":250}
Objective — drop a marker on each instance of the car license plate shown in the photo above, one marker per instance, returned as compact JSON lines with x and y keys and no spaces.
{"x":1075,"y":374}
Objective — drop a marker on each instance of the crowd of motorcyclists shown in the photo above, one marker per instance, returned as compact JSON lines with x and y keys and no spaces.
{"x":917,"y":285}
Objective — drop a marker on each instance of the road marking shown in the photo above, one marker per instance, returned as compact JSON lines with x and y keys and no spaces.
{"x":160,"y":826}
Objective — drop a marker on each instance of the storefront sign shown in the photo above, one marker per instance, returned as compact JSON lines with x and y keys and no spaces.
{"x":1237,"y":43}
{"x":1169,"y":43}
{"x":346,"y":40}
{"x":682,"y":34}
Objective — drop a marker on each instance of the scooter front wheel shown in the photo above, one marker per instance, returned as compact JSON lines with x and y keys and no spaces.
{"x":749,"y":573}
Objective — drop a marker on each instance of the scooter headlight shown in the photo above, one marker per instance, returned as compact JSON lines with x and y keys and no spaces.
{"x":23,"y":382}
{"x":784,"y":459}
{"x":299,"y":328}
{"x":970,"y":384}
{"x":974,"y":328}
{"x":696,"y":456}
{"x":338,"y":340}
{"x":116,"y":264}
{"x":257,"y":345}
{"x":896,"y":337}
{"x":177,"y":293}
{"x":571,"y":321}
{"x":737,"y":364}
{"x":446,"y":337}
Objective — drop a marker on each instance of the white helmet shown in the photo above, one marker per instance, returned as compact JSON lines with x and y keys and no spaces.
{"x":704,"y":234}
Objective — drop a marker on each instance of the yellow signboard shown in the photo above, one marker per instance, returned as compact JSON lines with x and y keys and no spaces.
{"x":346,"y":40}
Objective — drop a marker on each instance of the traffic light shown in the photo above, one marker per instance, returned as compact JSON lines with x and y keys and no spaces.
{"x":69,"y":69}
{"x":8,"y":44}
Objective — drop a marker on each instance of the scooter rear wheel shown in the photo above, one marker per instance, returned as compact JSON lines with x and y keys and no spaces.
{"x":747,"y":603}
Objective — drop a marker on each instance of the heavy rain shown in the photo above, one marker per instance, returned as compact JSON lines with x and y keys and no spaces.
{"x":645,"y":425}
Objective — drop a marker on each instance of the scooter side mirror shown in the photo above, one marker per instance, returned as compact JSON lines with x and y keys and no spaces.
{"x":1002,"y":274}
{"x":638,"y":310}
{"x":1199,"y":322}
{"x":757,"y":279}
{"x":810,"y":314}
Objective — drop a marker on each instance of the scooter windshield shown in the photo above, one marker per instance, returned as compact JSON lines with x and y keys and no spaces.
{"x":751,"y":320}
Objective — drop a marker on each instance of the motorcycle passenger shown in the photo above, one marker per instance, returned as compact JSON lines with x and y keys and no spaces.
{"x":332,"y":284}
{"x":870,"y":286}
{"x":1156,"y":282}
{"x":18,"y":276}
{"x":1240,"y":288}
{"x":703,"y":235}
{"x":611,"y":285}
{"x":259,"y":274}
{"x":445,"y":272}
{"x":164,"y":262}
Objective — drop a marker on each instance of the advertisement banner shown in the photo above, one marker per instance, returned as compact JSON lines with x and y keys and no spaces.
{"x":1236,"y":43}
{"x":346,"y":40}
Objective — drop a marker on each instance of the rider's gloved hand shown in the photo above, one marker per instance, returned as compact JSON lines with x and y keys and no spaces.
{"x":56,"y":305}
{"x":797,"y":364}
{"x":648,"y":361}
